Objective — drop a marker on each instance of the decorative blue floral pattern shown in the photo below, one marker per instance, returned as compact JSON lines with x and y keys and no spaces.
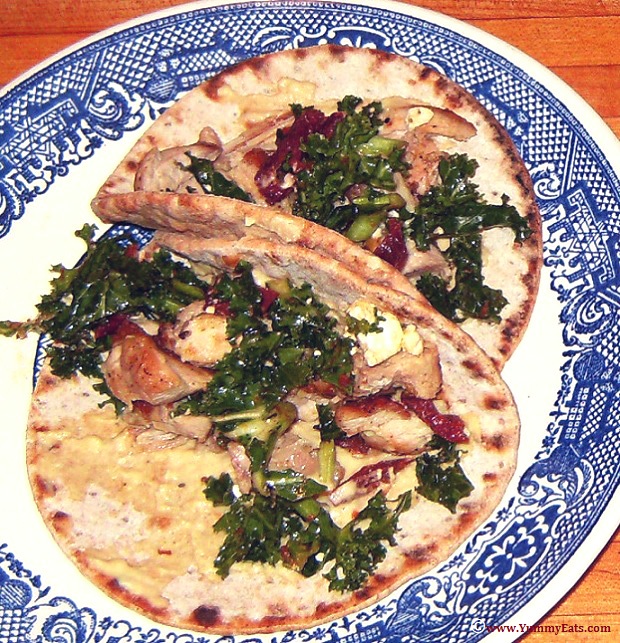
{"x":61,"y":116}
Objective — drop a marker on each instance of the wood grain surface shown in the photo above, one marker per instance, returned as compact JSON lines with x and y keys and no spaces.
{"x":579,"y":40}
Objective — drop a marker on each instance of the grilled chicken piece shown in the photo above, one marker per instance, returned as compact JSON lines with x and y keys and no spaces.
{"x":161,"y":417}
{"x":138,"y":369}
{"x":164,"y":170}
{"x":419,"y":375}
{"x":293,"y":452}
{"x":242,"y":157}
{"x":196,"y":336}
{"x":384,"y":424}
{"x":404,"y":115}
{"x":430,"y":260}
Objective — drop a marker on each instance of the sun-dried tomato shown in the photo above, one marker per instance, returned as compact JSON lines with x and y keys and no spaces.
{"x":270,"y":177}
{"x":447,"y":426}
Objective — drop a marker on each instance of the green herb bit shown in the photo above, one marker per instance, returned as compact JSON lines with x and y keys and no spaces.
{"x":455,"y":210}
{"x":359,"y":550}
{"x":440,"y":476}
{"x":214,"y":182}
{"x":469,"y":297}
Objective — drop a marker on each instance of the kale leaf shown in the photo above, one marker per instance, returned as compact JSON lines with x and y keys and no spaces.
{"x":354,"y":155}
{"x":292,"y":343}
{"x":440,"y":476}
{"x":214,"y":182}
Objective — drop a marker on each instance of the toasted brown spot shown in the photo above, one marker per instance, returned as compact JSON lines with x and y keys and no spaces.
{"x":160,"y":522}
{"x":206,"y":615}
{"x":365,"y":592}
{"x":497,"y":441}
{"x":426,"y":72}
{"x":61,"y":522}
{"x":421,"y":554}
{"x":467,"y":519}
{"x":273,"y":622}
{"x":511,"y":326}
{"x":475,"y":368}
{"x":116,"y":589}
{"x":490,"y":476}
{"x":322,"y":609}
{"x":46,"y":383}
{"x":44,"y":488}
{"x":494,"y":403}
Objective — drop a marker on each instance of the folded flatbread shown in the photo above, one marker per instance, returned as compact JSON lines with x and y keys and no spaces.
{"x":124,"y":494}
{"x":233,"y":119}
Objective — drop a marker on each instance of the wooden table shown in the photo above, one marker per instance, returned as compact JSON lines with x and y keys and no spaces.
{"x":577,"y":39}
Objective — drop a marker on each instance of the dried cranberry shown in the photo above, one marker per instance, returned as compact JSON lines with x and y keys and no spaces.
{"x":393,"y":247}
{"x":117,"y":325}
{"x":268,"y":296}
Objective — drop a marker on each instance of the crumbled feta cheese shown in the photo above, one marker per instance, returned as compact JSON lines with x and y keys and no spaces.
{"x":412,"y":342}
{"x":391,"y":338}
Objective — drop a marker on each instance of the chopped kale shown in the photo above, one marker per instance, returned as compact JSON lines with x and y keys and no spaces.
{"x":214,"y":182}
{"x":455,"y":210}
{"x":441,"y":478}
{"x":292,"y":343}
{"x":302,"y":535}
{"x":329,"y":155}
{"x":108,"y":281}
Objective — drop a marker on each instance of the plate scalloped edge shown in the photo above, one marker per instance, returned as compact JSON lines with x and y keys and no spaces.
{"x":103,"y":90}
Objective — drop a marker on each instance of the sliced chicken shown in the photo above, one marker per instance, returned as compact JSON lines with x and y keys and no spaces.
{"x":138,"y":369}
{"x":162,"y":418}
{"x":431,"y":260}
{"x":419,"y":375}
{"x":166,"y":170}
{"x":384,"y":424}
{"x":404,"y":115}
{"x":293,"y":452}
{"x":196,"y":336}
{"x":241,"y":466}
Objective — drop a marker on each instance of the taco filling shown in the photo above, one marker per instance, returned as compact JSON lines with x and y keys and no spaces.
{"x":402,"y":163}
{"x":301,"y":425}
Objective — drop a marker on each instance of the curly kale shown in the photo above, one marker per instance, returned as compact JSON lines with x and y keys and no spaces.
{"x":214,"y":182}
{"x":108,"y":281}
{"x":275,"y":351}
{"x":301,"y":534}
{"x":333,"y":154}
{"x":440,"y":475}
{"x":456,"y":211}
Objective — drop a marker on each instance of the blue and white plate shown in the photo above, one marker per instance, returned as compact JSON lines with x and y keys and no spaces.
{"x":63,"y":129}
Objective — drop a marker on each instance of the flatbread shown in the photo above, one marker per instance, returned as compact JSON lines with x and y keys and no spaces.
{"x":131,"y":514}
{"x":255,"y":91}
